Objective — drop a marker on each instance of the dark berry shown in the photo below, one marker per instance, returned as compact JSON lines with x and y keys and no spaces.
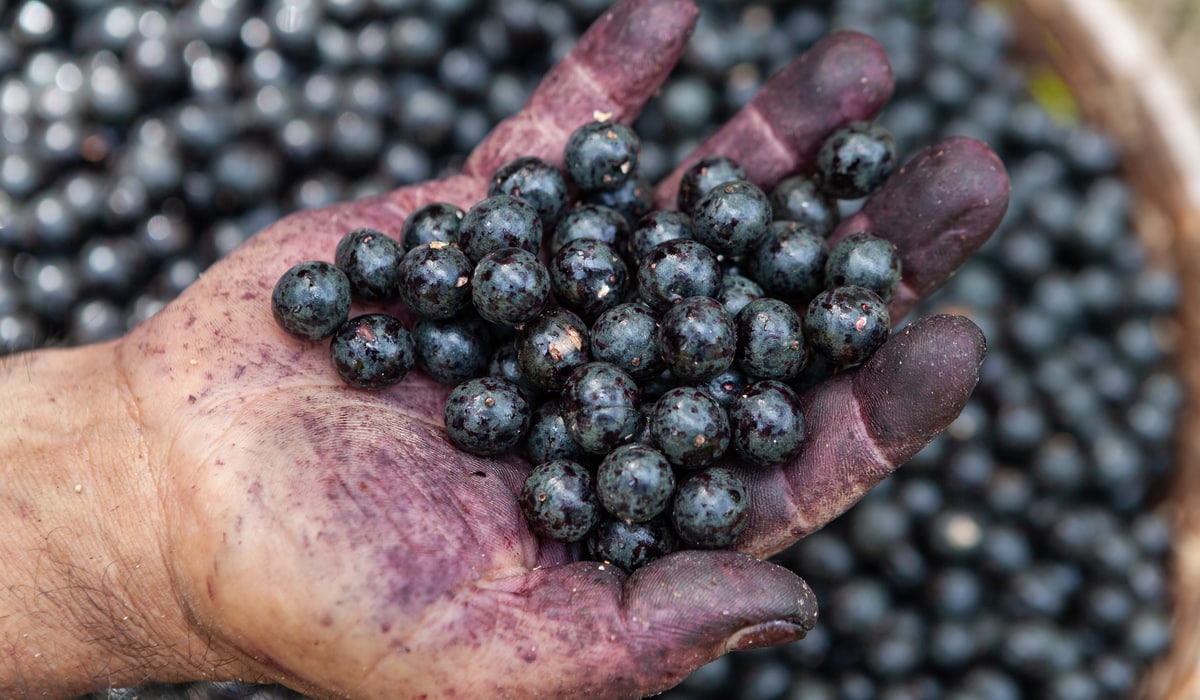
{"x":452,"y":350}
{"x":601,"y":155}
{"x":588,"y":277}
{"x":800,"y":199}
{"x":552,"y":346}
{"x":856,"y":160}
{"x":789,"y":263}
{"x":634,"y":198}
{"x":697,"y":339}
{"x":631,"y":545}
{"x":435,"y":280}
{"x":702,"y":176}
{"x":372,"y":351}
{"x":770,"y":340}
{"x":726,"y":386}
{"x":737,"y":291}
{"x":510,"y":286}
{"x":627,"y":336}
{"x":675,"y":270}
{"x":548,"y":438}
{"x":864,"y":260}
{"x":846,"y":324}
{"x":590,"y":221}
{"x":710,"y":509}
{"x":657,"y":227}
{"x":635,"y":483}
{"x":690,"y":427}
{"x":599,"y":406}
{"x":505,"y":366}
{"x":502,"y":221}
{"x":311,"y":300}
{"x":732,"y":218}
{"x":433,"y":223}
{"x":486,"y":416}
{"x":371,"y":261}
{"x":768,"y":423}
{"x":559,"y":501}
{"x":536,"y":181}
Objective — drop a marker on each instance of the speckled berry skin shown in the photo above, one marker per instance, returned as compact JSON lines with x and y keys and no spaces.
{"x":865,"y":260}
{"x":711,"y":509}
{"x":600,"y":406}
{"x":452,"y":350}
{"x":856,"y":160}
{"x":702,"y":176}
{"x":768,"y":424}
{"x":631,"y":546}
{"x":635,"y":483}
{"x":601,"y":155}
{"x":433,"y":223}
{"x":732,"y":218}
{"x":486,"y":416}
{"x":311,"y":300}
{"x":590,"y":221}
{"x":846,"y":324}
{"x":737,"y":291}
{"x":634,"y":198}
{"x":789,"y":263}
{"x":689,"y":427}
{"x":770,"y":340}
{"x":675,"y":270}
{"x":504,"y":365}
{"x":726,"y":386}
{"x":658,"y":226}
{"x":547,"y":438}
{"x":697,"y":339}
{"x":552,"y":346}
{"x":435,"y":280}
{"x":588,"y":277}
{"x":559,"y":501}
{"x":502,"y":221}
{"x":538,"y":182}
{"x":800,"y":199}
{"x":510,"y":286}
{"x":371,"y":261}
{"x":627,"y":336}
{"x":372,"y":351}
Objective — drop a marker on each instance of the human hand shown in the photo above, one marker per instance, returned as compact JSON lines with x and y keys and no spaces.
{"x":333,"y":540}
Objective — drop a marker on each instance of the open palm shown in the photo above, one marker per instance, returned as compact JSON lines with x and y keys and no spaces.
{"x":332,"y":539}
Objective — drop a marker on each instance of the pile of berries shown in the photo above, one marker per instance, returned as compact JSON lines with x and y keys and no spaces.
{"x":647,"y":346}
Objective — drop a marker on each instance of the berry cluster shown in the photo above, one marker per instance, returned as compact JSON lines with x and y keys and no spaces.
{"x":647,"y":377}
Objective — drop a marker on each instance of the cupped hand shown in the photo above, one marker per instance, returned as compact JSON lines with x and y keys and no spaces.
{"x":333,"y":540}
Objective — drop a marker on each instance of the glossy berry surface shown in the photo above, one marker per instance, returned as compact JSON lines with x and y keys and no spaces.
{"x":552,"y":346}
{"x":732,"y":217}
{"x":372,"y":351}
{"x":510,"y":286}
{"x":435,"y":280}
{"x":590,"y":221}
{"x":737,"y":291}
{"x":726,"y":386}
{"x":600,"y":406}
{"x":538,"y":182}
{"x":452,"y":350}
{"x":503,"y":364}
{"x":631,"y":545}
{"x":486,"y":416}
{"x":710,"y":509}
{"x":770,"y":340}
{"x":697,"y":339}
{"x":675,"y":270}
{"x":311,"y":300}
{"x":635,"y":483}
{"x":433,"y":223}
{"x":559,"y":501}
{"x":500,"y":221}
{"x":627,"y":336}
{"x":856,"y":160}
{"x":801,"y":199}
{"x":658,"y":226}
{"x":588,"y":277}
{"x":846,"y":324}
{"x":789,"y":263}
{"x":633,"y":198}
{"x":702,"y":176}
{"x":768,"y":423}
{"x":371,"y":261}
{"x":601,"y":155}
{"x":690,"y":427}
{"x":548,"y":439}
{"x":864,"y":260}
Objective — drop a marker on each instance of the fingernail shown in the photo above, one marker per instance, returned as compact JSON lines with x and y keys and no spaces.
{"x":766,"y":634}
